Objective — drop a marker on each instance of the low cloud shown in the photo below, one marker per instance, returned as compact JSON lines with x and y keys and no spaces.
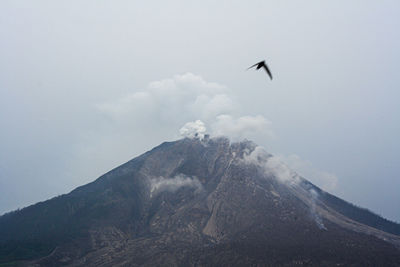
{"x":161,"y":184}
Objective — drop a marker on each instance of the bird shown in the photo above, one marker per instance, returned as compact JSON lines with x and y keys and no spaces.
{"x":260,"y":65}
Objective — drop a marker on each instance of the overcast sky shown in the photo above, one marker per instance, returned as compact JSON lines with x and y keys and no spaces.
{"x":87,"y":85}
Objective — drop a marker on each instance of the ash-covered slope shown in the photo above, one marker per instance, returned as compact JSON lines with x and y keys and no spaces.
{"x":194,"y":202}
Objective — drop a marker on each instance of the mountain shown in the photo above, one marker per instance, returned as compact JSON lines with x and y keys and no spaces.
{"x":197,"y":202}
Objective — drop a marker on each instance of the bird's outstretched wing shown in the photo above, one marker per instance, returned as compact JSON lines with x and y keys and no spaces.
{"x":255,"y":65}
{"x":267,"y":70}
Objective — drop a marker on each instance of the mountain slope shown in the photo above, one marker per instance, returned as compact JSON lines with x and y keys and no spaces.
{"x":193,"y":202}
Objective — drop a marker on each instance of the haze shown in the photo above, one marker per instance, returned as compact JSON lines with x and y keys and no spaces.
{"x":82,"y":89}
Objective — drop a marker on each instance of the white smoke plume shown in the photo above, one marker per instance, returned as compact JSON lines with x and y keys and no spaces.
{"x":240,"y":128}
{"x":274,"y":166}
{"x":314,"y":196}
{"x":193,"y":129}
{"x":271,"y":165}
{"x":327,"y":181}
{"x":137,"y":121}
{"x":258,"y":156}
{"x":289,"y":168}
{"x":161,"y":184}
{"x":185,"y":102}
{"x":183,"y":98}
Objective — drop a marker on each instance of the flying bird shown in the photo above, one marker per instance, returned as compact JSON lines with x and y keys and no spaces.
{"x":260,"y":65}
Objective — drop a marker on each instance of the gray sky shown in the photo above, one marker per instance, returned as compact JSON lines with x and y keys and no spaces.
{"x":88,"y":85}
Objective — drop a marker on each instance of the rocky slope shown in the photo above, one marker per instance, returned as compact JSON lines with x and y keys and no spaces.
{"x":198,"y":202}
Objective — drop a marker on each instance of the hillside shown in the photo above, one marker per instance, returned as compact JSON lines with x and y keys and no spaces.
{"x":198,"y":202}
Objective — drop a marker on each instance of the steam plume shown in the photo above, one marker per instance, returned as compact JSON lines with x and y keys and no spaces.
{"x":314,"y":196}
{"x":160,"y":184}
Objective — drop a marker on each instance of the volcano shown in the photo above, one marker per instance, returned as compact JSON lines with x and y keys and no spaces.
{"x":198,"y":202}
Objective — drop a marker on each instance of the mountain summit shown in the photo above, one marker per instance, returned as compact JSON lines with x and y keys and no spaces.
{"x":198,"y":202}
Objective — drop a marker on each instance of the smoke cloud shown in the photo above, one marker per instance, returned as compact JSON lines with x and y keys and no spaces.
{"x":327,"y":181}
{"x":288,"y":168}
{"x":189,"y":103}
{"x":193,"y":129}
{"x":314,"y":196}
{"x":196,"y":107}
{"x":275,"y":167}
{"x":240,"y":128}
{"x":179,"y":99}
{"x":271,"y":165}
{"x":161,"y":184}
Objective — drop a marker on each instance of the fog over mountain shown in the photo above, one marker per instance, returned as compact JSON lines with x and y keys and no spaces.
{"x":82,"y":82}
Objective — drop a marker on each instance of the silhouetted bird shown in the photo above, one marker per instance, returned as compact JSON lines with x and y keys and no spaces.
{"x":262,"y":65}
